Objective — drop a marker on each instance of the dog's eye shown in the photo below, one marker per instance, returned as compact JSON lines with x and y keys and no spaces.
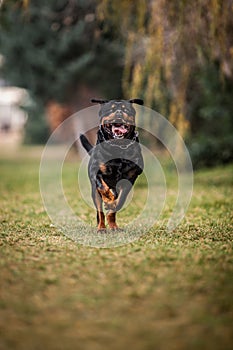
{"x":113,"y":106}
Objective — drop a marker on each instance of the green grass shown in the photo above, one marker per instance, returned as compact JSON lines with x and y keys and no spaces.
{"x":164,"y":291}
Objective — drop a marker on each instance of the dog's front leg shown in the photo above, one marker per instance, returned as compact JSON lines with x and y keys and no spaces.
{"x":111,"y":217}
{"x":123,"y":189}
{"x":99,"y":208}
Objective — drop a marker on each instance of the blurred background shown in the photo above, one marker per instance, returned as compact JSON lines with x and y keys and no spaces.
{"x":177,"y":55}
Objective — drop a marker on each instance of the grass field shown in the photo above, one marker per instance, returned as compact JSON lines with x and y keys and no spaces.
{"x":164,"y":291}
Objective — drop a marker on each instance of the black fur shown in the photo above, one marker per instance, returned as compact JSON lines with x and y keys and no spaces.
{"x":85,"y":143}
{"x":115,"y":161}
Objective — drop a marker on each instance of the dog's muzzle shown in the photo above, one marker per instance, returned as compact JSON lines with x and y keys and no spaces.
{"x":117,"y":129}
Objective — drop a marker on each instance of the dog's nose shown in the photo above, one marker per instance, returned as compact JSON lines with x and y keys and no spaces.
{"x":118,"y":113}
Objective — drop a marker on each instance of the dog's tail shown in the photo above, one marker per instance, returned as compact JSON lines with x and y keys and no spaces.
{"x":85,"y":143}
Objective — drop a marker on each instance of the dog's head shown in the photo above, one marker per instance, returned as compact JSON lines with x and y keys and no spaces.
{"x":117,"y":118}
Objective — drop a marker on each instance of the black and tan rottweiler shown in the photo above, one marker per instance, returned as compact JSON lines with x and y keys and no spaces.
{"x":115,"y":160}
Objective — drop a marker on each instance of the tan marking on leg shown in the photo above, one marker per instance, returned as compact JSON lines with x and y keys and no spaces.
{"x":100,"y":214}
{"x":111,"y":217}
{"x":101,"y":219}
{"x":106,"y":193}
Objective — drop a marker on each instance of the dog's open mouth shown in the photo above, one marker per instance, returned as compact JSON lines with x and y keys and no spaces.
{"x":117,"y":130}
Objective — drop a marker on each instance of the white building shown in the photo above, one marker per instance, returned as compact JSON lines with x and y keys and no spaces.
{"x":12,"y":116}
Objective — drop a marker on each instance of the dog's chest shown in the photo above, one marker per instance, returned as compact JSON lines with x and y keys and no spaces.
{"x":116,"y":169}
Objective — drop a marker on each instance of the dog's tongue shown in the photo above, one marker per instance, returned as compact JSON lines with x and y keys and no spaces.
{"x":119,"y":130}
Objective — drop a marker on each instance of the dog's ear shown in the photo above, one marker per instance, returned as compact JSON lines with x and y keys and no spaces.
{"x":136,"y":100}
{"x":95,"y":100}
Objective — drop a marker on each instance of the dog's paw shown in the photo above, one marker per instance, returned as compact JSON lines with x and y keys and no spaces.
{"x":116,"y":229}
{"x":101,"y":226}
{"x":101,"y":229}
{"x":113,"y":226}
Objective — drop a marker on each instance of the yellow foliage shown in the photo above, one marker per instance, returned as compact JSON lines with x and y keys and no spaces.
{"x":25,"y":3}
{"x":165,"y":40}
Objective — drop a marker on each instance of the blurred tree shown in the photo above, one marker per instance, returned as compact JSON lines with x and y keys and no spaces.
{"x":166,"y":41}
{"x":178,"y":52}
{"x":211,"y":117}
{"x":53,"y":48}
{"x":177,"y":55}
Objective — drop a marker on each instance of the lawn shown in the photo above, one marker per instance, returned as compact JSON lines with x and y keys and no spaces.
{"x":163,"y":291}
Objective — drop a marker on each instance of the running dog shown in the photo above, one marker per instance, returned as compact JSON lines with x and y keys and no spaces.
{"x":116,"y":159}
